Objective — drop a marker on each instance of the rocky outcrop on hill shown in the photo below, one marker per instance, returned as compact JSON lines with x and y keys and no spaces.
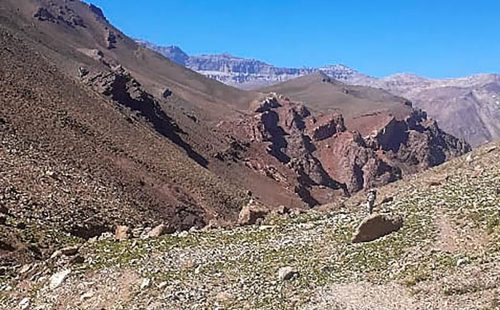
{"x":59,"y":14}
{"x":327,"y":160}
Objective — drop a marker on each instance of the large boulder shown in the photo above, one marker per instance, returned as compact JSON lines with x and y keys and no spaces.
{"x":377,"y":226}
{"x":251,"y":214}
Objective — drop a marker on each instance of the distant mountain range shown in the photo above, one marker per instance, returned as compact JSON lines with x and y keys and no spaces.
{"x":247,"y":73}
{"x":467,"y":107}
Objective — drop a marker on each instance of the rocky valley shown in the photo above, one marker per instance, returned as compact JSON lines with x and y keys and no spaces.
{"x":130,"y":181}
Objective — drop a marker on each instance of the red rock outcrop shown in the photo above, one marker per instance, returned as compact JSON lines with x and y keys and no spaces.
{"x":327,"y":160}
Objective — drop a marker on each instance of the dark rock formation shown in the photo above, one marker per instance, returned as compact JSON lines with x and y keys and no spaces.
{"x":59,"y":14}
{"x":110,"y":40}
{"x":122,"y":88}
{"x":98,"y":12}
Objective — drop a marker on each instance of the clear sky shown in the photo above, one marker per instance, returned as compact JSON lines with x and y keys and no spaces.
{"x":434,"y":38}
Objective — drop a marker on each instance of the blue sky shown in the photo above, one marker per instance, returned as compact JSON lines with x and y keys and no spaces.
{"x":438,"y":38}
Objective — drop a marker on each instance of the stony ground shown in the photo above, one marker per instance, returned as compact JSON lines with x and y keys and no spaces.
{"x":446,"y":256}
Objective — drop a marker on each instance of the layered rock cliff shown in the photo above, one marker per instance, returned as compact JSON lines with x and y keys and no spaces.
{"x":326,"y":160}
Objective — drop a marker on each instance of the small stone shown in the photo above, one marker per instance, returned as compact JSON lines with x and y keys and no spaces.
{"x":24,"y":303}
{"x":86,"y":296}
{"x":287,"y":273}
{"x":78,"y":259}
{"x":282,"y":210}
{"x":162,"y":285}
{"x":51,"y":173}
{"x":387,"y":199}
{"x":56,"y":254}
{"x":266,"y":227}
{"x":469,"y":158}
{"x":24,"y":269}
{"x":462,"y":261}
{"x":58,"y":278}
{"x":223,"y":297}
{"x":70,"y":250}
{"x":122,"y":232}
{"x":183,"y":234}
{"x":491,"y":149}
{"x":146,"y":282}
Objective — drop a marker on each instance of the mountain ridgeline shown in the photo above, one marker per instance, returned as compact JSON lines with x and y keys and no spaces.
{"x":467,"y":107}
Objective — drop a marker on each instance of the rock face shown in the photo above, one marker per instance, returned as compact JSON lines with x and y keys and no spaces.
{"x":377,"y":226}
{"x":320,"y":159}
{"x":59,"y":14}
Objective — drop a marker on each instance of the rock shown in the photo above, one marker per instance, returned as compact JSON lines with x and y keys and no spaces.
{"x":122,"y":232}
{"x":42,"y":14}
{"x":250,"y":214}
{"x":97,"y":11}
{"x":24,"y":303}
{"x":462,"y":261}
{"x":70,"y":250}
{"x":469,"y":158}
{"x":110,"y":40}
{"x":166,"y":93}
{"x":267,"y":104}
{"x":106,"y":236}
{"x":287,"y":273}
{"x":146,"y":282}
{"x":58,"y":278}
{"x":435,"y":183}
{"x":158,"y":231}
{"x":82,"y":72}
{"x":162,"y":285}
{"x":327,"y":126}
{"x":25,"y":268}
{"x":282,"y":210}
{"x":137,"y":232}
{"x":86,"y":296}
{"x":491,"y":149}
{"x":51,"y":173}
{"x":387,"y":199}
{"x":223,"y":297}
{"x":376,"y":226}
{"x":56,"y":254}
{"x":78,"y":259}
